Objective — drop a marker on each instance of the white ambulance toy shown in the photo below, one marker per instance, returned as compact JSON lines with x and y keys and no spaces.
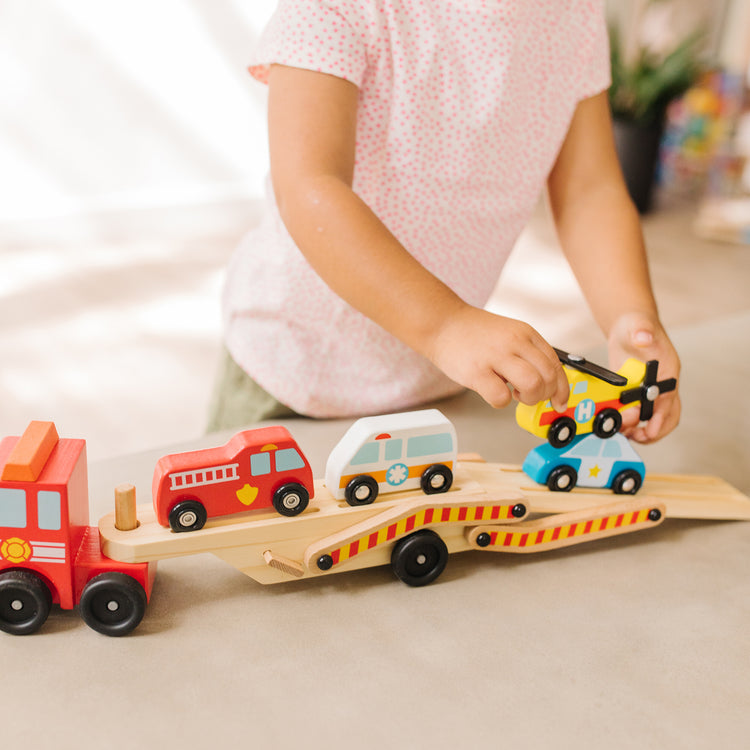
{"x":393,"y":452}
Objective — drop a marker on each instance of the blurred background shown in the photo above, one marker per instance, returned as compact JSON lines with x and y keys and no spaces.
{"x":133,"y":157}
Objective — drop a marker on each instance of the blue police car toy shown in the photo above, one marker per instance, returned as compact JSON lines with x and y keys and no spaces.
{"x":588,"y":461}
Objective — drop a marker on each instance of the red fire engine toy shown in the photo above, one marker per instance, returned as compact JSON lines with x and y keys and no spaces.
{"x":48,"y":552}
{"x":255,"y":469}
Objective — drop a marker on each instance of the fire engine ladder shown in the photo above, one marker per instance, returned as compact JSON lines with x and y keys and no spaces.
{"x":199,"y":477}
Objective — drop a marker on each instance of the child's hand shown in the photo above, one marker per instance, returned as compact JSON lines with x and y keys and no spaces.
{"x":492,"y":354}
{"x":641,"y":336}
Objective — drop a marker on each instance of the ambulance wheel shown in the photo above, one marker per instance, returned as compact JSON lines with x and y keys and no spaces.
{"x":113,"y":604}
{"x":25,"y":602}
{"x":627,"y":482}
{"x":435,"y":479}
{"x":187,"y":515}
{"x":419,"y":558}
{"x":361,"y":490}
{"x":607,"y":423}
{"x":561,"y":432}
{"x":290,"y":499}
{"x":562,"y":479}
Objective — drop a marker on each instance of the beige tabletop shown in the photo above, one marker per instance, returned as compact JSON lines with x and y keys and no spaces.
{"x":635,"y":641}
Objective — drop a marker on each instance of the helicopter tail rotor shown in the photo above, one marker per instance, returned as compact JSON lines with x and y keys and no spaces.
{"x":648,"y":391}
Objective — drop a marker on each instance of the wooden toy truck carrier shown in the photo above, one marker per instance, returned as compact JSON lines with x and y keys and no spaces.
{"x":49,"y":554}
{"x":491,"y":507}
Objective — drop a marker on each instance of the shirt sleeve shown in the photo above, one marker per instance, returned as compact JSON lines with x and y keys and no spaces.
{"x":596,"y":72}
{"x":326,"y":36}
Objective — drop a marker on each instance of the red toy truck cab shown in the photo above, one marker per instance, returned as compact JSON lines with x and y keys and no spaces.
{"x":260,"y":468}
{"x":48,"y":552}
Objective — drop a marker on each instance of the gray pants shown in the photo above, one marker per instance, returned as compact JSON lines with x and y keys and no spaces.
{"x":238,"y":401}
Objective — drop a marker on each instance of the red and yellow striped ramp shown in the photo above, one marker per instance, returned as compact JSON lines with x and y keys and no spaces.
{"x":565,"y":529}
{"x":445,"y":514}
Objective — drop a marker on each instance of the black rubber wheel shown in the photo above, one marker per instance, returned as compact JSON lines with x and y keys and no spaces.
{"x":627,"y":482}
{"x":290,"y":499}
{"x":436,"y":479}
{"x":561,"y":432}
{"x":607,"y":423}
{"x":25,"y":602}
{"x":361,"y":490}
{"x":187,"y":515}
{"x":113,"y":604}
{"x":562,"y":479}
{"x":419,"y":558}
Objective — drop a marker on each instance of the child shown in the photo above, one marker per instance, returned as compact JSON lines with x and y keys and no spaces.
{"x":409,"y":142}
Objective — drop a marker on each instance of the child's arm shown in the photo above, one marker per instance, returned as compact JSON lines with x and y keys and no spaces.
{"x":600,"y":233}
{"x":312,"y":124}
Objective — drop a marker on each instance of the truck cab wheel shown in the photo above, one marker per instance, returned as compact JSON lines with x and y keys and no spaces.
{"x":113,"y":603}
{"x":419,"y":558}
{"x":187,"y":515}
{"x":436,"y":478}
{"x":25,"y":602}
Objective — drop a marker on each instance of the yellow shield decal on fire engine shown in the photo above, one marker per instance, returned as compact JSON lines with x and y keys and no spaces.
{"x":247,"y":494}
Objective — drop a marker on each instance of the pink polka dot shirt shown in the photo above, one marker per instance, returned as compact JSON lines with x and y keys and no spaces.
{"x":463,"y":107}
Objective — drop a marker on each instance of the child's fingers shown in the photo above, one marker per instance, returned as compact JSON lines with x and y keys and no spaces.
{"x":493,"y":389}
{"x":536,"y":376}
{"x":665,"y":418}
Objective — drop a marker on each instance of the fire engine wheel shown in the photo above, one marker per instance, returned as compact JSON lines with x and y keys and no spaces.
{"x":562,"y":479}
{"x":419,"y":558}
{"x":290,"y":499}
{"x":25,"y":602}
{"x":436,"y":478}
{"x":607,"y":423}
{"x":361,"y":490}
{"x":113,"y":603}
{"x":187,"y":515}
{"x":627,"y":482}
{"x":561,"y":432}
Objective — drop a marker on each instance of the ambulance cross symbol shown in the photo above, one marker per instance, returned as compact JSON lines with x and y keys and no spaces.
{"x":397,"y":474}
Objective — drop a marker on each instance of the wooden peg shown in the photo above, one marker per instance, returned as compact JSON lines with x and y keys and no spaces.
{"x":125,"y":516}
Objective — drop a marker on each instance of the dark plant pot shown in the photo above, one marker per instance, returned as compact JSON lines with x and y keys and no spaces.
{"x":638,"y":151}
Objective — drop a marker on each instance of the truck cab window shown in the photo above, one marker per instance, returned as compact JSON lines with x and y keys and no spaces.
{"x":49,"y":510}
{"x":12,"y":508}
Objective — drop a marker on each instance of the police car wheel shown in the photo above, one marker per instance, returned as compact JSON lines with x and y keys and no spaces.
{"x":187,"y":515}
{"x":561,"y":432}
{"x":25,"y":602}
{"x":627,"y":482}
{"x":435,"y":479}
{"x":562,"y":479}
{"x":607,"y":423}
{"x":361,"y":490}
{"x":290,"y":499}
{"x":419,"y":558}
{"x":113,"y":604}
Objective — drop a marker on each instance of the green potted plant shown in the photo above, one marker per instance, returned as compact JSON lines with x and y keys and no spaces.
{"x":644,"y":82}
